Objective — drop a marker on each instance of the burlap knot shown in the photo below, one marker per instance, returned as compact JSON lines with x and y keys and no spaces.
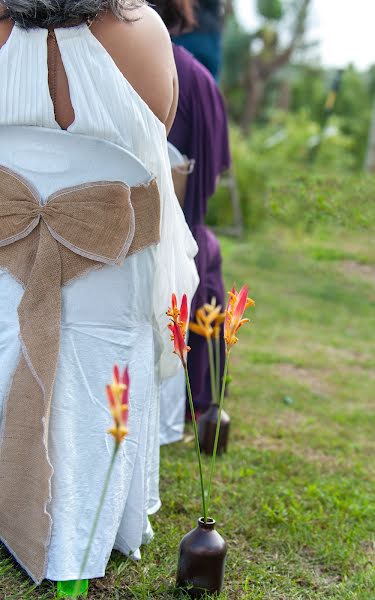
{"x":45,"y":247}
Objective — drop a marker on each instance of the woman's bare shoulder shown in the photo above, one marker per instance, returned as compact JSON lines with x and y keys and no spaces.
{"x":142,"y":50}
{"x":5,"y":31}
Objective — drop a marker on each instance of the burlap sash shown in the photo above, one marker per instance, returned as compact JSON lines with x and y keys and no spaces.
{"x":44,"y":247}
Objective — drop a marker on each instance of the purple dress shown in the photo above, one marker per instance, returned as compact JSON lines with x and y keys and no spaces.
{"x":200,"y":131}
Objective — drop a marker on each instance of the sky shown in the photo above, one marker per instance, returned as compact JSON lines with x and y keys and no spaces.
{"x":345,"y":29}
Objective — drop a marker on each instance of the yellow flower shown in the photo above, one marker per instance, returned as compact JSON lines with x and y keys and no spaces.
{"x":202,"y":326}
{"x":208,"y":320}
{"x":218,"y":323}
{"x":118,"y":398}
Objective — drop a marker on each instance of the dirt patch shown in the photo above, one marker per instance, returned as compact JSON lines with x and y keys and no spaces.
{"x":359,"y":371}
{"x":291,"y":419}
{"x":311,"y":455}
{"x":364,"y":272}
{"x":341,"y":355}
{"x":311,"y":378}
{"x":369,"y":548}
{"x":345,"y":354}
{"x":270,"y":444}
{"x":288,"y":419}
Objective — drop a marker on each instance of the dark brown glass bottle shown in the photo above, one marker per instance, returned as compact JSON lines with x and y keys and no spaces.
{"x":201,"y":564}
{"x":207,"y":429}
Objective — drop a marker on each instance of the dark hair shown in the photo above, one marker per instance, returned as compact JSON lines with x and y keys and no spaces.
{"x":54,"y":13}
{"x":176,"y":14}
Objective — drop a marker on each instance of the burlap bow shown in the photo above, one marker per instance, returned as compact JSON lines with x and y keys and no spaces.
{"x":44,"y":247}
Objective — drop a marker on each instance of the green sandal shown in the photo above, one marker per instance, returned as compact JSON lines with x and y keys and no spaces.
{"x":65,"y":589}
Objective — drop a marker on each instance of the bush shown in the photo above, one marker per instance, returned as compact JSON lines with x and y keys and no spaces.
{"x":278,"y":180}
{"x":312,"y":199}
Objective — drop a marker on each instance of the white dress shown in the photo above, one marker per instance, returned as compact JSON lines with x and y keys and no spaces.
{"x":173,"y":408}
{"x":113,"y":315}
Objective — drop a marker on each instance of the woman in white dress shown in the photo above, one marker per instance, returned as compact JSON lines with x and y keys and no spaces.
{"x":103,"y":69}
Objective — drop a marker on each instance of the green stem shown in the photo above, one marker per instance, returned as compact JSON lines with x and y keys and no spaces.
{"x":217,"y":367}
{"x":214,"y":394}
{"x":197,"y":447}
{"x":213,"y":460}
{"x":96,"y":519}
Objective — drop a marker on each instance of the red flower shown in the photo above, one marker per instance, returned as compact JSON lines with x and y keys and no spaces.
{"x":184,"y":315}
{"x":180,"y":347}
{"x":178,"y":327}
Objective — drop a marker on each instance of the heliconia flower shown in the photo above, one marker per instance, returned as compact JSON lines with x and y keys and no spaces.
{"x":174,"y":311}
{"x":118,"y":398}
{"x":180,"y":347}
{"x":202,"y":326}
{"x":179,"y":315}
{"x":208,"y":318}
{"x":237,"y":305}
{"x":212,"y":306}
{"x":218,"y":323}
{"x":215,"y":312}
{"x":184,"y":315}
{"x":178,"y":327}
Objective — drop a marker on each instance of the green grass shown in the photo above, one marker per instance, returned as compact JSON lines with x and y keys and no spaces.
{"x":295,"y":495}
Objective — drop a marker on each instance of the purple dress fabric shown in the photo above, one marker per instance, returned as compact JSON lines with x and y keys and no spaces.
{"x":200,"y":132}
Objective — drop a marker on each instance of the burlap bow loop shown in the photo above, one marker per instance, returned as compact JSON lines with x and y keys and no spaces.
{"x":95,"y":220}
{"x":44,"y":246}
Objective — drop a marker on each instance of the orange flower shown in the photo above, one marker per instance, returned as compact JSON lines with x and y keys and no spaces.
{"x":118,"y":398}
{"x":178,"y":327}
{"x":174,"y":312}
{"x":237,"y":305}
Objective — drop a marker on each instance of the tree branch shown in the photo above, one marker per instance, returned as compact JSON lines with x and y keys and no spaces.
{"x":283,"y":57}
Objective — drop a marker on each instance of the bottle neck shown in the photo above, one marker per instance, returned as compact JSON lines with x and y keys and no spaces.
{"x":208,"y":526}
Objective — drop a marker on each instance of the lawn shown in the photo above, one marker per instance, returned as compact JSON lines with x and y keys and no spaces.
{"x":295,"y":495}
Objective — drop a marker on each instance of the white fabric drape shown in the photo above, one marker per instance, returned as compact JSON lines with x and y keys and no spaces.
{"x":111,"y":315}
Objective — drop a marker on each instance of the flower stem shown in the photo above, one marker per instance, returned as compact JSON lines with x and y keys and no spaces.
{"x":213,"y":460}
{"x":217,"y":366}
{"x":96,"y":519}
{"x":197,"y":446}
{"x":214,"y":394}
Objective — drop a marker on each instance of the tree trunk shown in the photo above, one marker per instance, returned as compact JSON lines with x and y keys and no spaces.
{"x":229,"y":8}
{"x":261,"y":69}
{"x":283,"y":102}
{"x":255,"y":91}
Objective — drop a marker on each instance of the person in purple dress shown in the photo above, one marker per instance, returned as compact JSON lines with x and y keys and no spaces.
{"x":200,"y":132}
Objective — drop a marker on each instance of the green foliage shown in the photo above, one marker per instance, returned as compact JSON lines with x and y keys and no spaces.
{"x":236,"y":53}
{"x":354,"y":105}
{"x":295,"y":493}
{"x":311,"y":199}
{"x":308,"y":89}
{"x":309,"y":85}
{"x":276,"y":180}
{"x":270,"y":9}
